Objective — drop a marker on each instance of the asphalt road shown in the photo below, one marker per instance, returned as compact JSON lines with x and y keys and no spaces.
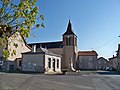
{"x":91,"y":81}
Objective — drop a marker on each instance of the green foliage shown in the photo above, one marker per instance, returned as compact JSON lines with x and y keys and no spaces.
{"x":16,"y":45}
{"x":42,"y":17}
{"x":17,"y":17}
{"x":6,"y":53}
{"x":13,"y":53}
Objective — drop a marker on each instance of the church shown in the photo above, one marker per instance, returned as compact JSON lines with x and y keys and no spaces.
{"x":71,"y":59}
{"x":49,"y":57}
{"x":67,"y":48}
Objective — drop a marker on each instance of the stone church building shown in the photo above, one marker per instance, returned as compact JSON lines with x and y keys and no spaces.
{"x":68,"y":49}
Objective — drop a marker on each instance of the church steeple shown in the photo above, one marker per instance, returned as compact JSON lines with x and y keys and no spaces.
{"x":69,"y":47}
{"x":69,"y":29}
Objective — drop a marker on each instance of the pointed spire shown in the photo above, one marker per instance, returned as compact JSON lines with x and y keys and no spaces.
{"x":69,"y":29}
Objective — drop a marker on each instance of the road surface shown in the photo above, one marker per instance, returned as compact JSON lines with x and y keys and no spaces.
{"x":13,"y":81}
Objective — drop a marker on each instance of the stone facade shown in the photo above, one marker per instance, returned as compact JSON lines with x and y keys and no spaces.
{"x":87,"y":60}
{"x":114,"y":62}
{"x":103,"y":64}
{"x":70,"y":48}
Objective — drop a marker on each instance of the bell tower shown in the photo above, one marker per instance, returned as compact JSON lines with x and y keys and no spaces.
{"x":69,"y":48}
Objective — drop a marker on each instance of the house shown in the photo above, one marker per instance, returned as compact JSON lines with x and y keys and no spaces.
{"x":41,"y":60}
{"x":2,"y":64}
{"x":18,"y":64}
{"x":15,"y":38}
{"x":118,"y":58}
{"x":118,"y":68}
{"x":102,"y":63}
{"x":87,"y":60}
{"x":113,"y":63}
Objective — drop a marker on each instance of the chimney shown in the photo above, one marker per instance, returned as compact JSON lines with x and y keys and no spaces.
{"x":33,"y":48}
{"x":113,"y":56}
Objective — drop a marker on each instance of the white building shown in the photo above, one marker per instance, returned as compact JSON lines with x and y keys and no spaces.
{"x":41,"y":60}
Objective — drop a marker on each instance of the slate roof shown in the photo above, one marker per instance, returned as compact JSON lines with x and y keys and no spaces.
{"x":87,"y":53}
{"x":57,"y":44}
{"x":102,"y":58}
{"x":41,"y":50}
{"x":69,"y":29}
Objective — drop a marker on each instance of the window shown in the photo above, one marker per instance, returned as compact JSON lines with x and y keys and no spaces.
{"x":67,"y":41}
{"x":29,"y":65}
{"x":49,"y":62}
{"x":34,"y":64}
{"x":20,"y":63}
{"x":57,"y":63}
{"x":1,"y":63}
{"x":104,"y":62}
{"x":90,"y":59}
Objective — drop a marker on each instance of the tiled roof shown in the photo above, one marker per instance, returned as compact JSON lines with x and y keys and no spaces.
{"x":87,"y":53}
{"x":58,"y":44}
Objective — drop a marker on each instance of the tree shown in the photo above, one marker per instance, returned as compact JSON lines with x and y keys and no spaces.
{"x":17,"y":16}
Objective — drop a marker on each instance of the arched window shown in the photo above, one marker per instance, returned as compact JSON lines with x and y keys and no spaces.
{"x":68,"y":41}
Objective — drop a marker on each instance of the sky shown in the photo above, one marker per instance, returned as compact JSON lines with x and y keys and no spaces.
{"x":95,"y":22}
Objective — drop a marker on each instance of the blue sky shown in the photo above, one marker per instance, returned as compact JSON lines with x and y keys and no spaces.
{"x":95,"y":22}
